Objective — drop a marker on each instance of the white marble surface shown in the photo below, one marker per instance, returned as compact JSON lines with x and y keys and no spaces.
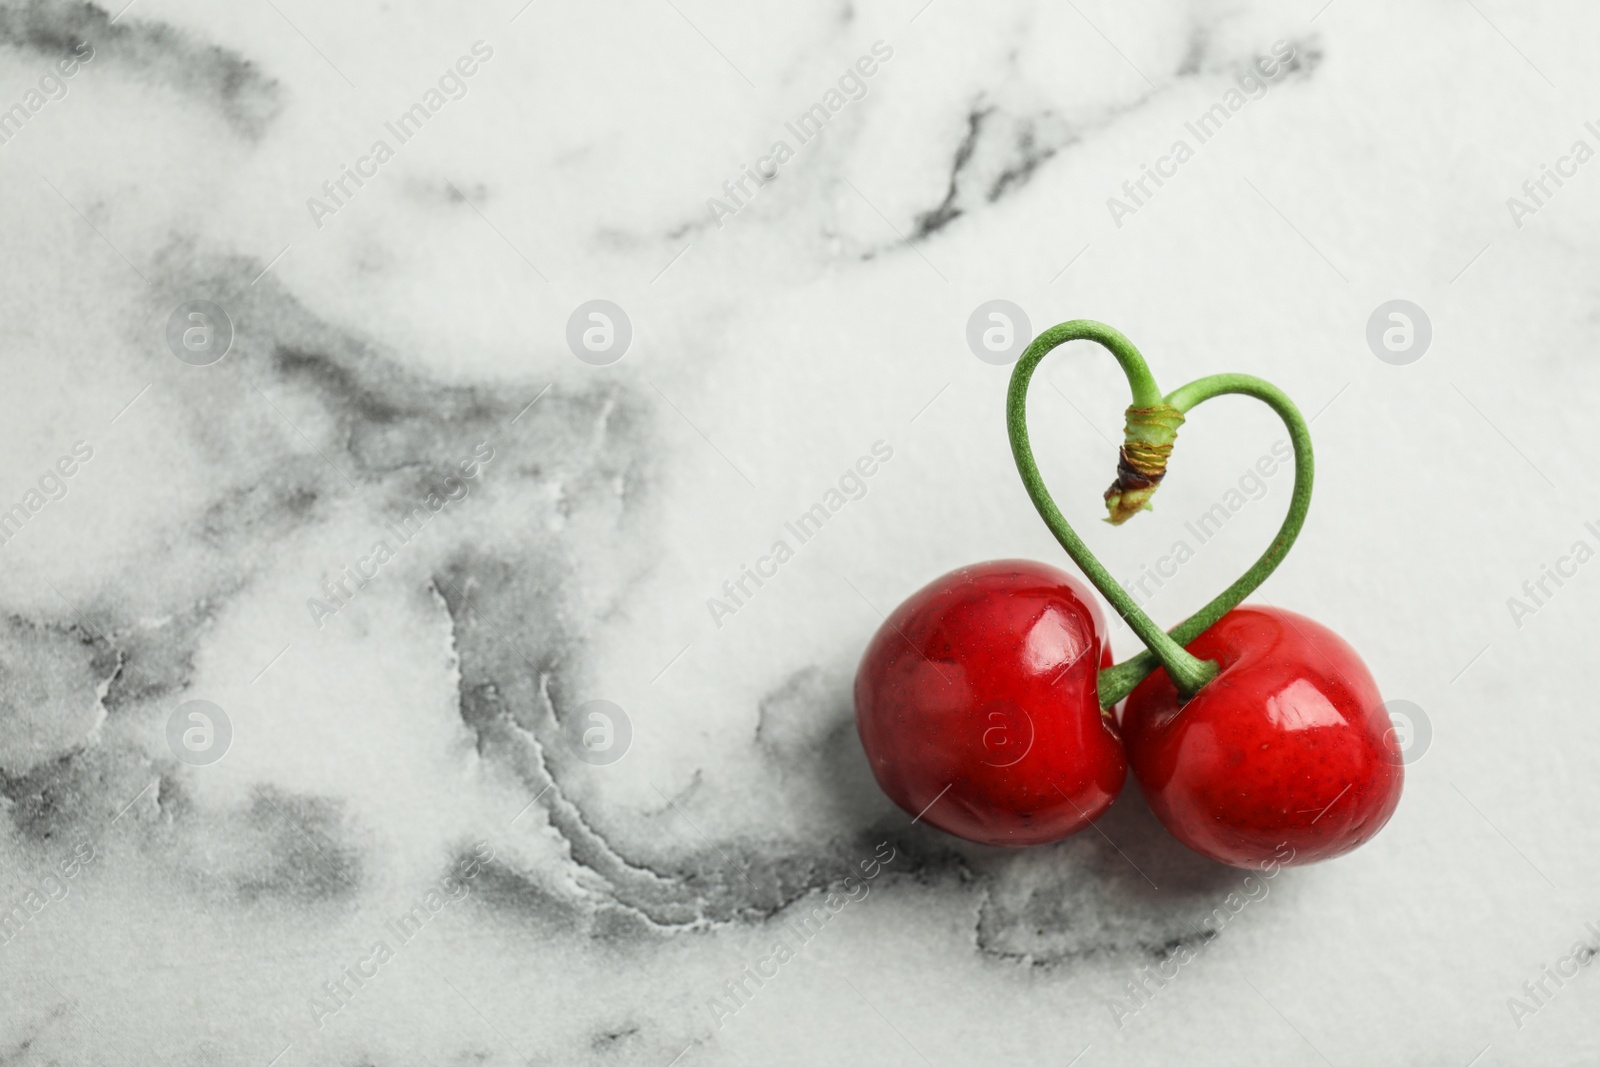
{"x":420,"y":729}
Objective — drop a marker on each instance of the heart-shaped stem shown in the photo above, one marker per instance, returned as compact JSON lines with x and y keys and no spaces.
{"x":1118,"y":681}
{"x":1163,"y":649}
{"x":1187,"y":672}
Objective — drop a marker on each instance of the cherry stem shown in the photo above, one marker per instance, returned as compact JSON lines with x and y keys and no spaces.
{"x":1118,"y":681}
{"x":1187,"y":672}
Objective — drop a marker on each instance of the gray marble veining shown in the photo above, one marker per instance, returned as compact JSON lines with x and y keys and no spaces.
{"x":309,"y":610}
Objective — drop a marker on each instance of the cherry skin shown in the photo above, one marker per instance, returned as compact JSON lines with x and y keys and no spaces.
{"x":978,"y":705}
{"x":1287,"y":755}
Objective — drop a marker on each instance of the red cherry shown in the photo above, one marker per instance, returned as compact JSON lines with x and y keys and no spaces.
{"x":978,"y":706}
{"x":1286,"y":755}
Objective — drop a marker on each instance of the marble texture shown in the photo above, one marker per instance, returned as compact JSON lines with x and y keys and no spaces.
{"x":400,"y":855}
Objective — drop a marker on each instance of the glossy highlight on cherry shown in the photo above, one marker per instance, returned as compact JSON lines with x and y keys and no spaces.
{"x":977,"y":705}
{"x":1288,"y":745}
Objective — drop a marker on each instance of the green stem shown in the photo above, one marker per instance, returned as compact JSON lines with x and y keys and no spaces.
{"x":1118,"y":681}
{"x":1187,"y":672}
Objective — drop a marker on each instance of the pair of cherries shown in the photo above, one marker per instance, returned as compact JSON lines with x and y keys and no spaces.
{"x":985,"y":701}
